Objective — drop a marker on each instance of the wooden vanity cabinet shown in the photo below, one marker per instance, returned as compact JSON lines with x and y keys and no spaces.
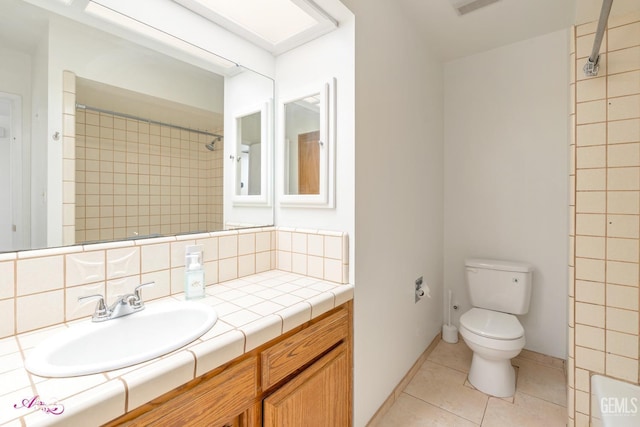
{"x":301,"y":379}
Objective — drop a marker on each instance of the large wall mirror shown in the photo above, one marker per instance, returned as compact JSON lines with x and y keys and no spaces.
{"x":104,"y":138}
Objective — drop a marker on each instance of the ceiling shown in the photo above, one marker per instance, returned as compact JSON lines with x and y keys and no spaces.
{"x":498,"y":24}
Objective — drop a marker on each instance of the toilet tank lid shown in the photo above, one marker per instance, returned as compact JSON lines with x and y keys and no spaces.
{"x":495,"y":264}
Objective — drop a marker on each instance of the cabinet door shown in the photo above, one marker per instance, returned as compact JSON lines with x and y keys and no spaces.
{"x":320,"y":396}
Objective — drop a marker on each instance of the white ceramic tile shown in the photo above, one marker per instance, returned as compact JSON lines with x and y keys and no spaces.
{"x":241,"y":317}
{"x":226,"y":308}
{"x":228,"y":246}
{"x":263,"y":241}
{"x":315,"y":267}
{"x":247,"y":300}
{"x":16,"y":398}
{"x":284,"y":260}
{"x":178,"y":252}
{"x":333,"y":247}
{"x":153,"y":380}
{"x":76,"y":309}
{"x":210,"y":248}
{"x":333,"y":270}
{"x":321,"y":303}
{"x":265,"y":308}
{"x":161,"y":288}
{"x":263,"y":261}
{"x":268,"y":293}
{"x":287,"y":299}
{"x":315,"y":245}
{"x":286,"y":287}
{"x":177,"y":280}
{"x":299,"y":263}
{"x":217,"y":351}
{"x":39,"y":310}
{"x":8,"y":346}
{"x":299,"y":243}
{"x":219,"y":328}
{"x":39,"y":274}
{"x":246,"y":243}
{"x":7,"y":278}
{"x":8,"y":363}
{"x":261,"y":331}
{"x":62,"y":388}
{"x":119,"y":287}
{"x":80,"y":410}
{"x":211,"y":272}
{"x":284,"y":240}
{"x":230,"y":294}
{"x":7,"y":318}
{"x":85,"y":267}
{"x":246,"y":265}
{"x":123,"y":262}
{"x":156,"y":257}
{"x":295,"y":315}
{"x":305,"y":292}
{"x":228,"y":269}
{"x":342,"y":294}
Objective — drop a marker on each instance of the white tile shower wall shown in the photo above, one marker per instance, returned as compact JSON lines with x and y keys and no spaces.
{"x":41,"y":288}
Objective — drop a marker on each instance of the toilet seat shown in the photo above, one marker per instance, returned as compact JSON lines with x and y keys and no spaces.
{"x":492,"y":324}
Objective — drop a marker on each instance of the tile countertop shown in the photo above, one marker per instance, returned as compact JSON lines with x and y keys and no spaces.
{"x":252,"y":311}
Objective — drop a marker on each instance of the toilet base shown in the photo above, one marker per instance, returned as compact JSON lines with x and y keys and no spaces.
{"x":494,"y":377}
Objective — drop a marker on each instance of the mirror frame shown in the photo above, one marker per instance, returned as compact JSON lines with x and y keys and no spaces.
{"x":326,"y":197}
{"x":262,"y":199}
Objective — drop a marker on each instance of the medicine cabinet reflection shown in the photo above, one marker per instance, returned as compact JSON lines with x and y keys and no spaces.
{"x":308,"y":126}
{"x":250,"y":157}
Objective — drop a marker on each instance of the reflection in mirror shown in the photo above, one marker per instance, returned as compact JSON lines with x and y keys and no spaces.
{"x":249,"y":156}
{"x":143,"y":176}
{"x":302,"y":145}
{"x":136,"y":160}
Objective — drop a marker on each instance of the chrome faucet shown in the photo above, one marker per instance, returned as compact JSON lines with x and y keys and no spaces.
{"x":124,"y":305}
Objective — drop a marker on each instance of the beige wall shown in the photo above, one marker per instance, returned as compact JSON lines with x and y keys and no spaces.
{"x":605,"y":211}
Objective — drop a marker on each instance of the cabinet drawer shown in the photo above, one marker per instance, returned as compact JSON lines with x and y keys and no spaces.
{"x":289,"y":355}
{"x":212,"y":402}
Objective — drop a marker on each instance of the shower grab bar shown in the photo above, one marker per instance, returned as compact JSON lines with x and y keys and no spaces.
{"x":593,"y":63}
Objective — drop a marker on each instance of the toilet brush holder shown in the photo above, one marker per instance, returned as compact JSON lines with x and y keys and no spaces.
{"x":450,"y":334}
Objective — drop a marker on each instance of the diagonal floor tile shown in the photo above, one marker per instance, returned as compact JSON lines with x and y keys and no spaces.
{"x":456,"y":356}
{"x":526,"y":411}
{"x":409,"y":411}
{"x":544,"y":382}
{"x":444,"y":387}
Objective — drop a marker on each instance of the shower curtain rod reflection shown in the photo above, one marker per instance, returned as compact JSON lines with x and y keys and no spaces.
{"x":155,"y":122}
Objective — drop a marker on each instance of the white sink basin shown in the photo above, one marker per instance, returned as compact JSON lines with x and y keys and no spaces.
{"x":93,"y":347}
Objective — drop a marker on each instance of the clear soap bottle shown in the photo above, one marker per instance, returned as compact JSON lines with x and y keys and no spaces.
{"x":194,"y":273}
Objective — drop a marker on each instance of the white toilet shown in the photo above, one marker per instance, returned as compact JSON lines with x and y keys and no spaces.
{"x":498,"y":290}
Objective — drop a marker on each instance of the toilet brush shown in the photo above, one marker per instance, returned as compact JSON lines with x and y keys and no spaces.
{"x":449,"y":331}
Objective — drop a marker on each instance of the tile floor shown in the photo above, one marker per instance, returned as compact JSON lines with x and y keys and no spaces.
{"x":440,"y":395}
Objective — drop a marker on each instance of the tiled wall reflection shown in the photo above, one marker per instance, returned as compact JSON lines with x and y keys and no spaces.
{"x":604,"y":322}
{"x":134,"y":178}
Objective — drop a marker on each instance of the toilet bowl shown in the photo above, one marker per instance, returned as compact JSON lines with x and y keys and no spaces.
{"x":498,"y":291}
{"x":495,"y":338}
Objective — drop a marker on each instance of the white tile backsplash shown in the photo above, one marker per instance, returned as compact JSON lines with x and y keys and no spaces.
{"x":31,"y":280}
{"x":7,"y":280}
{"x":85,"y":267}
{"x":40,"y":274}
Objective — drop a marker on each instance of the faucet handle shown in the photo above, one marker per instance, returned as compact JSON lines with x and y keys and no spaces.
{"x":137,"y":292}
{"x":101,"y":308}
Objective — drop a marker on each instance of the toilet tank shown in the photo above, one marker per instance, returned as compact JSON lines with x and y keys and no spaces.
{"x":499,"y":285}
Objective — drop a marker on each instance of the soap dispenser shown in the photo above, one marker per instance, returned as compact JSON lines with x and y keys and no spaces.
{"x":193,"y":272}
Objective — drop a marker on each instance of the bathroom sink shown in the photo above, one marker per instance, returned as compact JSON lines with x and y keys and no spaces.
{"x":89,"y":347}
